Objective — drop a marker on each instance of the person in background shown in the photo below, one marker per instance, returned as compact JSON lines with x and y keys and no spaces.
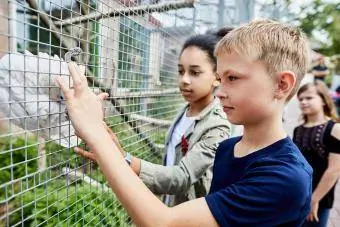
{"x":318,"y":138}
{"x":320,"y":71}
{"x":196,"y":132}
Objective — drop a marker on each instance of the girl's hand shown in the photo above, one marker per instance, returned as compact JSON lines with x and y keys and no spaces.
{"x":86,"y":154}
{"x":85,"y":109}
{"x":313,"y":215}
{"x":90,"y":155}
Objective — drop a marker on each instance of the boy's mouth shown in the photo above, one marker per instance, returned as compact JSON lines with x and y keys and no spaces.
{"x":186,"y":91}
{"x":227,"y":109}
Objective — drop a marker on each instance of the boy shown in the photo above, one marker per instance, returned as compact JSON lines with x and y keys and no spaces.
{"x":260,"y":179}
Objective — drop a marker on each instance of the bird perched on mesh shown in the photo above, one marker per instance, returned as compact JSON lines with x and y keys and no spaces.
{"x":30,"y":99}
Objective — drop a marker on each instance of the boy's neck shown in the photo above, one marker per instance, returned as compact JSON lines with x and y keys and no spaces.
{"x":195,"y":108}
{"x":259,"y":135}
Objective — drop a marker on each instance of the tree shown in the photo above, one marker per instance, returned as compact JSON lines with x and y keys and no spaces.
{"x":323,"y":17}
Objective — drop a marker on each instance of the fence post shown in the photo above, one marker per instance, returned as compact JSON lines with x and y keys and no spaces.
{"x":4,"y":28}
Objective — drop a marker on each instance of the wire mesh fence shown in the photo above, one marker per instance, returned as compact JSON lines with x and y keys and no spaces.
{"x":129,"y":48}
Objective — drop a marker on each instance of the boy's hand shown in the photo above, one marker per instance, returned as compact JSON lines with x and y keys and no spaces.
{"x":85,"y":109}
{"x":313,"y":215}
{"x":115,"y":139}
{"x":90,"y":155}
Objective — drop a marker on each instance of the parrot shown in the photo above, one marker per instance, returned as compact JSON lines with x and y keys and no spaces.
{"x":30,"y":99}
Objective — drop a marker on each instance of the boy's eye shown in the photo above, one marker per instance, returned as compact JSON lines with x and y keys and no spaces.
{"x":232,"y":78}
{"x":195,"y":73}
{"x":180,"y":72}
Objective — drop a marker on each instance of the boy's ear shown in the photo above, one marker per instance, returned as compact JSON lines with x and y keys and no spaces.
{"x":216,"y":83}
{"x":285,"y":83}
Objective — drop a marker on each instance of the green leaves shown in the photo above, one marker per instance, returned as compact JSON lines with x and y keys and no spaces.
{"x":324,"y":17}
{"x":76,"y":205}
{"x":47,"y":197}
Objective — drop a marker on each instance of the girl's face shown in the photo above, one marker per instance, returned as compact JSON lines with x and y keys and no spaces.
{"x":197,"y":77}
{"x":310,"y":102}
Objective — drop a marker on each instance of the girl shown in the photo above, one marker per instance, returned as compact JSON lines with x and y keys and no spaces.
{"x":196,"y":131}
{"x":318,"y":138}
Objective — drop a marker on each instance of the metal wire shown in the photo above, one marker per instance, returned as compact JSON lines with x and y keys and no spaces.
{"x":72,"y":53}
{"x":129,"y":50}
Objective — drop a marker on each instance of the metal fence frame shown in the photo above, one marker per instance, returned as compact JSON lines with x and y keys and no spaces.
{"x":41,"y":182}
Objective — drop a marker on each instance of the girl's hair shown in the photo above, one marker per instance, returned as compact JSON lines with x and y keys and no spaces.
{"x":207,"y":42}
{"x":322,"y":90}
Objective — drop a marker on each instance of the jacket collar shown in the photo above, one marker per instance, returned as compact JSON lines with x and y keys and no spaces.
{"x":200,"y":116}
{"x":203,"y":113}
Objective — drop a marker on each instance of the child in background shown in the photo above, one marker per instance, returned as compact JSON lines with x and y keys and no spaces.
{"x":318,"y":138}
{"x":194,"y":136}
{"x":259,"y":179}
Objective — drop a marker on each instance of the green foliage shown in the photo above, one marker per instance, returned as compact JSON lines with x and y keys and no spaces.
{"x":18,"y":158}
{"x":159,"y":136}
{"x":94,"y":65}
{"x":133,"y":55}
{"x":165,"y":107}
{"x":321,"y":16}
{"x":19,"y":163}
{"x":58,"y":205}
{"x":46,"y":199}
{"x":130,"y":141}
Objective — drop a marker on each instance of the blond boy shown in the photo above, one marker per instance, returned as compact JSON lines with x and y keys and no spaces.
{"x":261,"y":178}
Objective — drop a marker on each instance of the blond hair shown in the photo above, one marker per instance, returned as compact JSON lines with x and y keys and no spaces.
{"x":281,"y":47}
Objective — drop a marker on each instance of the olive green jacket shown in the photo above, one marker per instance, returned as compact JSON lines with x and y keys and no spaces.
{"x":191,"y":175}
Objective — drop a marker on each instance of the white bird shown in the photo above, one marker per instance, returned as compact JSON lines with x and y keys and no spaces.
{"x":30,"y":99}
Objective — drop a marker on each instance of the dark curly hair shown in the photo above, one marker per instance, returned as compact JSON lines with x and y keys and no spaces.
{"x":207,"y":42}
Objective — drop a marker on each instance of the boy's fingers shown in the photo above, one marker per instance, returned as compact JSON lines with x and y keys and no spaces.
{"x":79,"y":80}
{"x":108,"y":129}
{"x":74,"y":72}
{"x":77,"y":134}
{"x":102,"y":96}
{"x":82,"y":70}
{"x":111,"y":133}
{"x":64,"y":87}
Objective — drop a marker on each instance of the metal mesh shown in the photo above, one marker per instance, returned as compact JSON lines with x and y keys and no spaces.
{"x":129,"y":49}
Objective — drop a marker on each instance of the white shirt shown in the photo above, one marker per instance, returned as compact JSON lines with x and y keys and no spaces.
{"x":182,"y":125}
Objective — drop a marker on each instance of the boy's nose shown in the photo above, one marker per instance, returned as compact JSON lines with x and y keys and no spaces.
{"x":220,"y":94}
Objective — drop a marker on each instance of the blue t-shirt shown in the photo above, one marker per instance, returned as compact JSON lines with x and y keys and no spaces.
{"x":270,"y":187}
